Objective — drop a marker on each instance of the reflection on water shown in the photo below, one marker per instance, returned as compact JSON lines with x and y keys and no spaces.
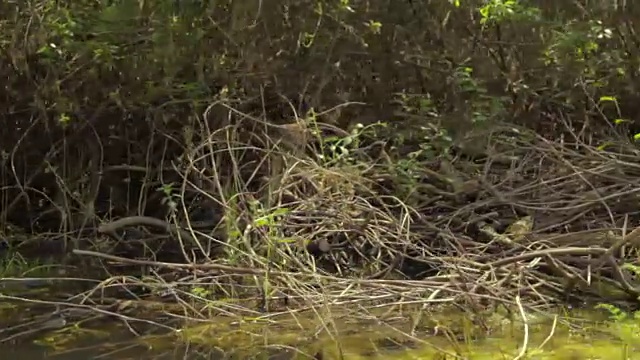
{"x":114,"y":349}
{"x":120,"y":343}
{"x":66,"y":334}
{"x":41,"y":327}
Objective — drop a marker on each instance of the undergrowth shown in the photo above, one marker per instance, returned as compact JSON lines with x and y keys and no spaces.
{"x":243,"y":160}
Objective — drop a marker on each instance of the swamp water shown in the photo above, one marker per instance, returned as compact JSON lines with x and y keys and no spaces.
{"x":39,"y":319}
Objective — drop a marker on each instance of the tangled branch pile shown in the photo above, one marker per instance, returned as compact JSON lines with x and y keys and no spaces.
{"x":542,"y":220}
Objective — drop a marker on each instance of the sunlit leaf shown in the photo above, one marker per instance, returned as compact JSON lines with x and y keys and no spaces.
{"x":607,"y":98}
{"x":603,"y":146}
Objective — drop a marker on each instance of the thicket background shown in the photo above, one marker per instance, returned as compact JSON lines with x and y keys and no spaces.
{"x":109,"y":107}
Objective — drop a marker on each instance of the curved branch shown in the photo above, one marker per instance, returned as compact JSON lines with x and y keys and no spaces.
{"x":112,"y":227}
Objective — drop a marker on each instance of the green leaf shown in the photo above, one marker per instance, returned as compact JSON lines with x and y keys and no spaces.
{"x":608,"y":98}
{"x":263,"y":221}
{"x":280,"y":211}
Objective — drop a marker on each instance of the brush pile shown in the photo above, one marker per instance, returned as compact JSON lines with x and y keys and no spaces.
{"x":541,"y":220}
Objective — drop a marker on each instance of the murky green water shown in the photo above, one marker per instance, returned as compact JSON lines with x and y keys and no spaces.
{"x":303,"y":336}
{"x":41,"y":319}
